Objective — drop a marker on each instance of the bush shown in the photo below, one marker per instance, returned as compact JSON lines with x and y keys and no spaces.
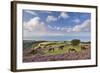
{"x":75,"y":42}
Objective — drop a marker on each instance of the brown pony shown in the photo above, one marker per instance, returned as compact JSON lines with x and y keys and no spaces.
{"x":61,"y":47}
{"x":51,"y":49}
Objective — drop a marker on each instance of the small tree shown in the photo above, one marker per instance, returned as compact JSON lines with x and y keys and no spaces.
{"x":75,"y":42}
{"x":64,"y":41}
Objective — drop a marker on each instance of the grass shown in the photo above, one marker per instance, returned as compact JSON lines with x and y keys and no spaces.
{"x":34,"y":45}
{"x":65,"y":50}
{"x":57,"y":51}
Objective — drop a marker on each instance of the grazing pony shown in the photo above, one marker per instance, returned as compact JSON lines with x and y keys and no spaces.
{"x":71,"y":50}
{"x":61,"y":47}
{"x":36,"y":50}
{"x":84,"y":47}
{"x":51,"y":49}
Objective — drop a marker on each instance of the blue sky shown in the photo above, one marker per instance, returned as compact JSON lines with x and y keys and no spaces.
{"x":43,"y":24}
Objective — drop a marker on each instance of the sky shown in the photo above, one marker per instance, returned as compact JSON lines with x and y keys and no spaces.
{"x":56,"y":25}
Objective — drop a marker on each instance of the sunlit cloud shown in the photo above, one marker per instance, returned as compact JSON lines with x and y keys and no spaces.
{"x":49,"y":12}
{"x":85,"y":26}
{"x":51,"y":18}
{"x":63,"y":15}
{"x":35,"y":25}
{"x":31,"y":12}
{"x":38,"y":27}
{"x":50,"y":23}
{"x":76,"y":20}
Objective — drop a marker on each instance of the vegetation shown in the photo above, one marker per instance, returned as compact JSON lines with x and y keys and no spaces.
{"x":52,"y":51}
{"x":65,"y":50}
{"x":55,"y":45}
{"x":75,"y":42}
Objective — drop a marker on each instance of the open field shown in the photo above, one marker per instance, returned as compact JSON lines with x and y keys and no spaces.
{"x":39,"y":51}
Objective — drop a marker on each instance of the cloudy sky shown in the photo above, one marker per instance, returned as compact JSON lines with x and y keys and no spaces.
{"x":45,"y":24}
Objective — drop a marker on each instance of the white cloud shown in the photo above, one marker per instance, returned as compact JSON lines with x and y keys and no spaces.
{"x":58,"y":28}
{"x":54,"y":28}
{"x":35,"y":25}
{"x":48,"y":12}
{"x":66,"y":29}
{"x":85,"y":26}
{"x":31,"y":12}
{"x":63,"y":15}
{"x":24,"y":23}
{"x":77,"y":20}
{"x":49,"y":26}
{"x":51,"y":18}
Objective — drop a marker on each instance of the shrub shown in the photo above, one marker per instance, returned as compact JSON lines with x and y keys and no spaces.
{"x":75,"y":42}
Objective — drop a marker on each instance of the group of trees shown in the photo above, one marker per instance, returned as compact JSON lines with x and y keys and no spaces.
{"x":75,"y":42}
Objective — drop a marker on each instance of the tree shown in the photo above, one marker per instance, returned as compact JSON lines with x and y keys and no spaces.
{"x":64,"y":41}
{"x":75,"y":42}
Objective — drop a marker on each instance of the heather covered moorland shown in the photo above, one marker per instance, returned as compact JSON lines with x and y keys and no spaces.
{"x":39,"y":51}
{"x":56,"y":35}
